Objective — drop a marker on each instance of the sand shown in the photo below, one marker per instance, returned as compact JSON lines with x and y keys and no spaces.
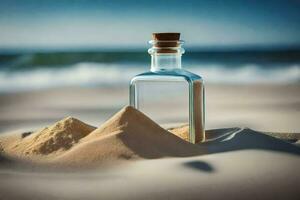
{"x":240,"y":164}
{"x":45,"y":144}
{"x":181,"y":131}
{"x":130,"y":157}
{"x":127,"y":135}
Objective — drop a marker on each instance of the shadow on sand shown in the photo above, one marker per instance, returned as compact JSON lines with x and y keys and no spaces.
{"x":233,"y":139}
{"x":200,"y":165}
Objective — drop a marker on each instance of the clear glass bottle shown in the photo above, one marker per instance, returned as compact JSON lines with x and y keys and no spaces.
{"x":168,"y":94}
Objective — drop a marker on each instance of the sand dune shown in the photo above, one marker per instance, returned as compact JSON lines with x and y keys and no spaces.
{"x":129,"y":134}
{"x":55,"y":139}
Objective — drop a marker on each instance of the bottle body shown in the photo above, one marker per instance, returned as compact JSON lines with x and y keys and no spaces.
{"x":172,"y":98}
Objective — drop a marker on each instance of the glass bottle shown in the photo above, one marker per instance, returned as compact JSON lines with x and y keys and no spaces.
{"x":168,"y":94}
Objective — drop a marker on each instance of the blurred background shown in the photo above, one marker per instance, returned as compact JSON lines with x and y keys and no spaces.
{"x":60,"y":58}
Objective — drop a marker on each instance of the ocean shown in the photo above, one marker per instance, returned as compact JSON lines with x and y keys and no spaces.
{"x":32,"y":70}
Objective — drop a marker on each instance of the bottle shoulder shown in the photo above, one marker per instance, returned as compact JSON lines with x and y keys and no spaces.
{"x":168,"y":74}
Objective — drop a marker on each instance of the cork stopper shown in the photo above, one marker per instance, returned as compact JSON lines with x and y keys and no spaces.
{"x":166,"y":40}
{"x":166,"y":36}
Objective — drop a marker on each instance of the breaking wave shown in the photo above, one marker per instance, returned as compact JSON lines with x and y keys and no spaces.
{"x":101,"y":74}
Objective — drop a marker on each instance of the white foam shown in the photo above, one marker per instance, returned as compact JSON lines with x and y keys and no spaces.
{"x":249,"y":74}
{"x":87,"y":74}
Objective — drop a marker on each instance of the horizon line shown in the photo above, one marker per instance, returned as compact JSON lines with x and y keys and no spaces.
{"x":194,"y":48}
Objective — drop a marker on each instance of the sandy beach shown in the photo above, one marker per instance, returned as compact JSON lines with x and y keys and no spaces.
{"x":168,"y":100}
{"x":251,"y":152}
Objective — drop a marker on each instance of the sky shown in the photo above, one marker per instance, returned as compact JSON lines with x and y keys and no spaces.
{"x":129,"y":24}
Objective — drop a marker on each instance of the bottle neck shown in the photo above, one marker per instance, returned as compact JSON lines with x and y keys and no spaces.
{"x":165,"y":55}
{"x":165,"y":61}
